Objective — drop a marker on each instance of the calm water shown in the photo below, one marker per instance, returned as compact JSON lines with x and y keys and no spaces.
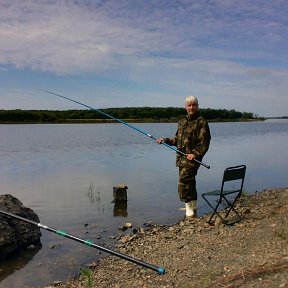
{"x":66,"y":174}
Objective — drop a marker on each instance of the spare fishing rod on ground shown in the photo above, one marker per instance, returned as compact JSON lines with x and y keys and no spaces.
{"x":130,"y":126}
{"x":160,"y":270}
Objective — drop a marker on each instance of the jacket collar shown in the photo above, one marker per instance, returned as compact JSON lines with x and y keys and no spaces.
{"x":193,"y":117}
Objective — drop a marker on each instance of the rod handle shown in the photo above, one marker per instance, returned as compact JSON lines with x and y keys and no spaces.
{"x":203,"y":164}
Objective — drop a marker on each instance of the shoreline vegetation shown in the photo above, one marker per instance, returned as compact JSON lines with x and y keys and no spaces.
{"x":127,"y":114}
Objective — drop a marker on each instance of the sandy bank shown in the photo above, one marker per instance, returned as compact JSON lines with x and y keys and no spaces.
{"x":252,"y":253}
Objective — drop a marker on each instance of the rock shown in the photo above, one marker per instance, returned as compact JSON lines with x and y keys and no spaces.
{"x":247,"y":211}
{"x":285,"y":258}
{"x":125,"y":226}
{"x":92,"y":265}
{"x":128,"y":225}
{"x":16,"y":234}
{"x":31,"y":247}
{"x":127,"y":238}
{"x":57,"y":283}
{"x":218,"y":222}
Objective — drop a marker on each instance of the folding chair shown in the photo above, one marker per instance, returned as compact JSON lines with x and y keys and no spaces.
{"x":235,"y":176}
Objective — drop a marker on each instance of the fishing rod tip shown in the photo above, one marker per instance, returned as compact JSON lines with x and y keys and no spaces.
{"x":161,"y":270}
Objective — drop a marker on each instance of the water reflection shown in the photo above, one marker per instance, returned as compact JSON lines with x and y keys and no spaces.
{"x":120,"y":200}
{"x":120,"y":209}
{"x":17,"y":261}
{"x":65,"y":173}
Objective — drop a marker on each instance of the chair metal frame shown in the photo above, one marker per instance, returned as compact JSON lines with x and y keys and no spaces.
{"x":236,"y":173}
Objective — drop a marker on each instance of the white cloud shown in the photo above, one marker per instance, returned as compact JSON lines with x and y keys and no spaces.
{"x":68,"y":37}
{"x":213,"y":48}
{"x":52,"y":38}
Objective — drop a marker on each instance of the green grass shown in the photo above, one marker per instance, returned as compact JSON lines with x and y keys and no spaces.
{"x":87,"y":274}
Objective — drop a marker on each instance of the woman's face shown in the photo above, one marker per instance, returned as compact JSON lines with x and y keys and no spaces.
{"x":191,"y":108}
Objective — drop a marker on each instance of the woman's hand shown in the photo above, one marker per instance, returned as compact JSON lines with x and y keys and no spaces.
{"x":190,"y":157}
{"x":160,"y":140}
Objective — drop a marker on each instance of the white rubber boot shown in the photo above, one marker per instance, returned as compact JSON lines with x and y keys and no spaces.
{"x":194,"y":207}
{"x":191,"y":209}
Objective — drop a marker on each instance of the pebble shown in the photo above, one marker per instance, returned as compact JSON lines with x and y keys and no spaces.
{"x":31,"y":247}
{"x":125,"y":226}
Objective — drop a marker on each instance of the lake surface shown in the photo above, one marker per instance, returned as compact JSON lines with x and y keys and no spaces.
{"x":66,"y":174}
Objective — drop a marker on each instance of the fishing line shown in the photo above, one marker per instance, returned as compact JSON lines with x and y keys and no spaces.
{"x":128,"y":125}
{"x":89,"y":243}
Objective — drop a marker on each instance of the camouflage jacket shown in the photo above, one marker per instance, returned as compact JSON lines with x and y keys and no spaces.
{"x":192,"y":137}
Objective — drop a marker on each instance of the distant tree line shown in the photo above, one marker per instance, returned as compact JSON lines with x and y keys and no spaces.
{"x":145,"y":114}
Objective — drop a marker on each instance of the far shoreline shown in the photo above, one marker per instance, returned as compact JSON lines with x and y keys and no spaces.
{"x":111,"y":121}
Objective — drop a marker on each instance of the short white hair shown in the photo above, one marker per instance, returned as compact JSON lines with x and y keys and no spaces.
{"x":191,"y":99}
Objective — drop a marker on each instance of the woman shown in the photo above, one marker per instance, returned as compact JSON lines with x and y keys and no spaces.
{"x":193,"y":139}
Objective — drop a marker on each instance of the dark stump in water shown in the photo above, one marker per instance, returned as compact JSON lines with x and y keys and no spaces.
{"x":120,"y":193}
{"x":120,"y":200}
{"x":15,"y":234}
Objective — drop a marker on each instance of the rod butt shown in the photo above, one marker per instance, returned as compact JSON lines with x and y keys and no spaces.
{"x":161,"y":270}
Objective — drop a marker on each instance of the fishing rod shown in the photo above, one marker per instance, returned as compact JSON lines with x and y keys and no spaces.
{"x":128,"y":125}
{"x":89,"y":243}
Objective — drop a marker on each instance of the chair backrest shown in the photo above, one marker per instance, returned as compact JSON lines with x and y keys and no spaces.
{"x":234,"y":173}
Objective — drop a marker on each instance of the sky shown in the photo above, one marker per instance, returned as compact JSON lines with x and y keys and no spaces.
{"x":153,"y":53}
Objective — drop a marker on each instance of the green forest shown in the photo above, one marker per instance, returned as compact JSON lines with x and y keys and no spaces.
{"x":130,"y":114}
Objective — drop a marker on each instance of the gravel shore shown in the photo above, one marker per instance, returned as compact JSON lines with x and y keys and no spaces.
{"x":252,"y":253}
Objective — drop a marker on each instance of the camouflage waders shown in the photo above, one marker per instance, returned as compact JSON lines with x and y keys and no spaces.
{"x":192,"y":137}
{"x":187,"y":184}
